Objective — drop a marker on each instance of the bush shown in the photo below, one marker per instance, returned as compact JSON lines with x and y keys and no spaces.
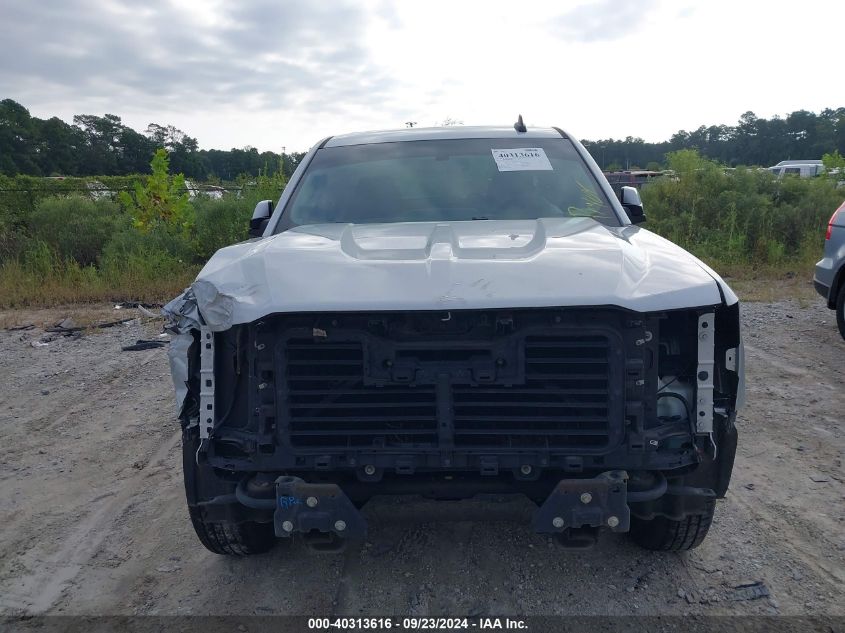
{"x":220,"y":223}
{"x":21,"y":195}
{"x":130,"y":241}
{"x":254,"y":190}
{"x":10,"y":240}
{"x":225,"y":221}
{"x":39,"y":259}
{"x":143,"y":266}
{"x":741,"y":216}
{"x":76,"y":227}
{"x":56,"y":248}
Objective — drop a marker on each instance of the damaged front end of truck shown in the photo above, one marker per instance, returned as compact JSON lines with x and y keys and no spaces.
{"x":609,"y":417}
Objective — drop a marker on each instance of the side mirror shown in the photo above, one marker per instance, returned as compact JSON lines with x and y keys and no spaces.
{"x":260,"y":218}
{"x":630,"y":198}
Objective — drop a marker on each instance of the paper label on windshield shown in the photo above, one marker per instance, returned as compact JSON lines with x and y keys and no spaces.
{"x":521,"y":159}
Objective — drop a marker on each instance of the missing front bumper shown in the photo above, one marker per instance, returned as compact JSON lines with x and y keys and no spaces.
{"x":586,"y":503}
{"x":324,"y":509}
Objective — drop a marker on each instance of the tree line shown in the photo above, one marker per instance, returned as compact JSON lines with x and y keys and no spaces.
{"x":752,"y":141}
{"x":104,"y":146}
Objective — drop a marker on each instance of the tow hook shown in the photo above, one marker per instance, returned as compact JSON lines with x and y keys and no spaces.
{"x":321,"y":508}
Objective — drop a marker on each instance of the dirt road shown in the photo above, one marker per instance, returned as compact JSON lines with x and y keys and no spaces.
{"x":94,"y":520}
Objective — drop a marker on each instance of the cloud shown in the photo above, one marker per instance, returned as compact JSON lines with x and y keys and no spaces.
{"x":159,"y":56}
{"x":282,"y":72}
{"x":602,"y":20}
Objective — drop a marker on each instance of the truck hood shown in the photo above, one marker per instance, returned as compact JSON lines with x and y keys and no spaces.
{"x":449,"y":265}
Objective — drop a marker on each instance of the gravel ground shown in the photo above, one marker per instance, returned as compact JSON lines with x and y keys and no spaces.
{"x":94,"y":520}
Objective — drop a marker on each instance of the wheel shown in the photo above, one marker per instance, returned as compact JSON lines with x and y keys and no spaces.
{"x":840,"y":310}
{"x":227,"y":538}
{"x":233,"y":539}
{"x":662,"y":534}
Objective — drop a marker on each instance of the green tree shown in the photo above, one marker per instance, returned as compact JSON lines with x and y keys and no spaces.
{"x":834,"y":164}
{"x":182,"y":150}
{"x":17,"y":142}
{"x":102,"y":145}
{"x":102,"y":141}
{"x":162,"y":201}
{"x":134,"y":152}
{"x":58,"y":146}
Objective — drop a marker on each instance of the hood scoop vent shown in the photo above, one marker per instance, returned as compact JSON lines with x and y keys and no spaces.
{"x":472,"y":240}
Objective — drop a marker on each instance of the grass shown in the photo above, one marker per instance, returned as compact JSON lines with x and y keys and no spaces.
{"x":21,"y":287}
{"x":771,"y":284}
{"x":83,"y":315}
{"x":46,"y":304}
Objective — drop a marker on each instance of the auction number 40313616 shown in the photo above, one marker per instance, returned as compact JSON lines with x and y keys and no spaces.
{"x":416,"y":624}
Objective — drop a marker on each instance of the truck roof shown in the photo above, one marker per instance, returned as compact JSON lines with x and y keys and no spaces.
{"x":436,"y":133}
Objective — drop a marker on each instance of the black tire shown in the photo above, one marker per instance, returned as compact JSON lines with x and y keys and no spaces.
{"x":667,"y":535}
{"x":233,"y":539}
{"x":840,"y":310}
{"x":226,"y":538}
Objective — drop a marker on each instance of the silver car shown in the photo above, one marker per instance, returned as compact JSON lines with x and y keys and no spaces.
{"x":829,"y":279}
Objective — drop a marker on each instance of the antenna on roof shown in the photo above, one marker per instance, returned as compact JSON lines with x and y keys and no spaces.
{"x":519,"y":126}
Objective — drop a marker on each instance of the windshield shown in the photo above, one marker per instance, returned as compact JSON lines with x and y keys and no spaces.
{"x":447,"y":180}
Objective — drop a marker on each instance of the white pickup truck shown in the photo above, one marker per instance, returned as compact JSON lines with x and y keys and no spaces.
{"x":448,"y":312}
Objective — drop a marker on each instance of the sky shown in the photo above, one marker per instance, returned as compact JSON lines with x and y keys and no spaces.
{"x":277,"y":74}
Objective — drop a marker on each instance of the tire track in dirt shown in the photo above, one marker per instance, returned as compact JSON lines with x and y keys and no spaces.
{"x":774,"y":360}
{"x":795,"y":541}
{"x":39,"y":590}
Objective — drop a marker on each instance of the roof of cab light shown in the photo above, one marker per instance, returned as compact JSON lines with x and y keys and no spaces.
{"x":435,"y":133}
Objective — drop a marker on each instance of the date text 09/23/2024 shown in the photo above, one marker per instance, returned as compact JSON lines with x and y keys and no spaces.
{"x":416,"y":624}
